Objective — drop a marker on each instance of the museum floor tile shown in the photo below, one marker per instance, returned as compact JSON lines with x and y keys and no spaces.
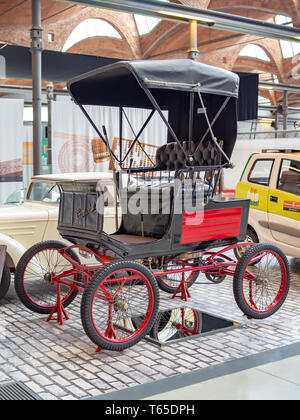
{"x":274,"y":381}
{"x":60,"y":362}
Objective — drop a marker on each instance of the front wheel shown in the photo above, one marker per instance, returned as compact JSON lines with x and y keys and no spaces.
{"x":4,"y":281}
{"x":34,"y":274}
{"x":261,"y":281}
{"x":120,"y":305}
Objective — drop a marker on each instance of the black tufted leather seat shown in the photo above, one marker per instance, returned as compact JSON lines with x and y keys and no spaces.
{"x":169,"y":157}
{"x":172,"y":157}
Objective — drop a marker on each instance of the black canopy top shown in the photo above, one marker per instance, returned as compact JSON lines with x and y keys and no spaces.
{"x":171,"y":85}
{"x":120,"y":84}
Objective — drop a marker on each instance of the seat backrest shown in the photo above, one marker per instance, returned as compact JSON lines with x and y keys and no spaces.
{"x":146,"y":209}
{"x":172,"y":157}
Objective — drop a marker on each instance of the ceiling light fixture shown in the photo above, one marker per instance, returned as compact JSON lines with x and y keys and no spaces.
{"x":266,"y":120}
{"x":185,"y":16}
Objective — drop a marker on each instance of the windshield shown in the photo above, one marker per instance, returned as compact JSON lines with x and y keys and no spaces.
{"x":45,"y":192}
{"x":16,"y":197}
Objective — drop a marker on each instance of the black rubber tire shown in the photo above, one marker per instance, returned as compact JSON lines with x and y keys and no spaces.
{"x":251,"y":235}
{"x":19,"y":285}
{"x":238,"y":280}
{"x":5,"y":281}
{"x":215,"y":278}
{"x":169,"y":289}
{"x":88,"y":297}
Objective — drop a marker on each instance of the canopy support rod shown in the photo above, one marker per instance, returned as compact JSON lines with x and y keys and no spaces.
{"x":36,"y":52}
{"x":98,"y":131}
{"x":139,"y":134}
{"x":214,"y":139}
{"x":140,"y":144}
{"x":191,"y":120}
{"x":214,"y":121}
{"x":120,"y":133}
{"x":171,"y":131}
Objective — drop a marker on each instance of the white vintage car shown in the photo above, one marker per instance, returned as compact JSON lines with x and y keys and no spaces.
{"x":22,"y":226}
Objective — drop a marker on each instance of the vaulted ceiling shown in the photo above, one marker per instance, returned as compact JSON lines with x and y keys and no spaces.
{"x":166,"y":39}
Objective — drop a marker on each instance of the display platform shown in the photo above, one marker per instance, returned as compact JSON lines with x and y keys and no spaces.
{"x":183,"y":323}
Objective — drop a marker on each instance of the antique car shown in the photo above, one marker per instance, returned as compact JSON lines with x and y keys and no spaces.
{"x":173,"y":228}
{"x":271,"y":181}
{"x":23,"y":225}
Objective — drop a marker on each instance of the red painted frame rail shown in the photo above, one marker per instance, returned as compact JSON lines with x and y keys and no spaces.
{"x":182,"y":291}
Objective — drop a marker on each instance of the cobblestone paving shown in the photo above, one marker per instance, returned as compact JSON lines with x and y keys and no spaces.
{"x":61,"y":363}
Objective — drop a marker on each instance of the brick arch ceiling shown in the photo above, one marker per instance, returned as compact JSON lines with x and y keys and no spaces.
{"x":272,"y":65}
{"x":259,"y":9}
{"x":272,"y":61}
{"x":276,"y":7}
{"x":201,"y":4}
{"x":123,"y":23}
{"x":102,"y":47}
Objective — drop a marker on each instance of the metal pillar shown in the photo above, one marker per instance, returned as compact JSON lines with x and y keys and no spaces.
{"x":36,"y":52}
{"x":50,"y":97}
{"x":285,"y":106}
{"x":276,"y":123}
{"x":193,"y":52}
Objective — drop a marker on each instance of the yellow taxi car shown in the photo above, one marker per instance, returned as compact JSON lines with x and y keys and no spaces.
{"x":271,"y":180}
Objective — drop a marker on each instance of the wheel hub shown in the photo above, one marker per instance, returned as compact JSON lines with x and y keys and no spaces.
{"x":48,"y":277}
{"x":262,"y":281}
{"x":121,"y":304}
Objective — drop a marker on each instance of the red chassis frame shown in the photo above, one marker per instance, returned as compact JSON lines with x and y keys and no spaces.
{"x":224,"y":268}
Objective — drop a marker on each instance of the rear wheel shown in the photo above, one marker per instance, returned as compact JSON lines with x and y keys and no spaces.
{"x":120,"y":305}
{"x":251,"y":237}
{"x":34,"y":273}
{"x":261,"y":281}
{"x":4,"y":281}
{"x":214,"y":276}
{"x":170,"y":282}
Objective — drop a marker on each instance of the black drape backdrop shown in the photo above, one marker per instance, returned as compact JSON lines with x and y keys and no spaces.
{"x":61,"y":67}
{"x":56,"y":66}
{"x":248,"y":96}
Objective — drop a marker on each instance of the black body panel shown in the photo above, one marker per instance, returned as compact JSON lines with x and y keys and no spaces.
{"x":81,"y":223}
